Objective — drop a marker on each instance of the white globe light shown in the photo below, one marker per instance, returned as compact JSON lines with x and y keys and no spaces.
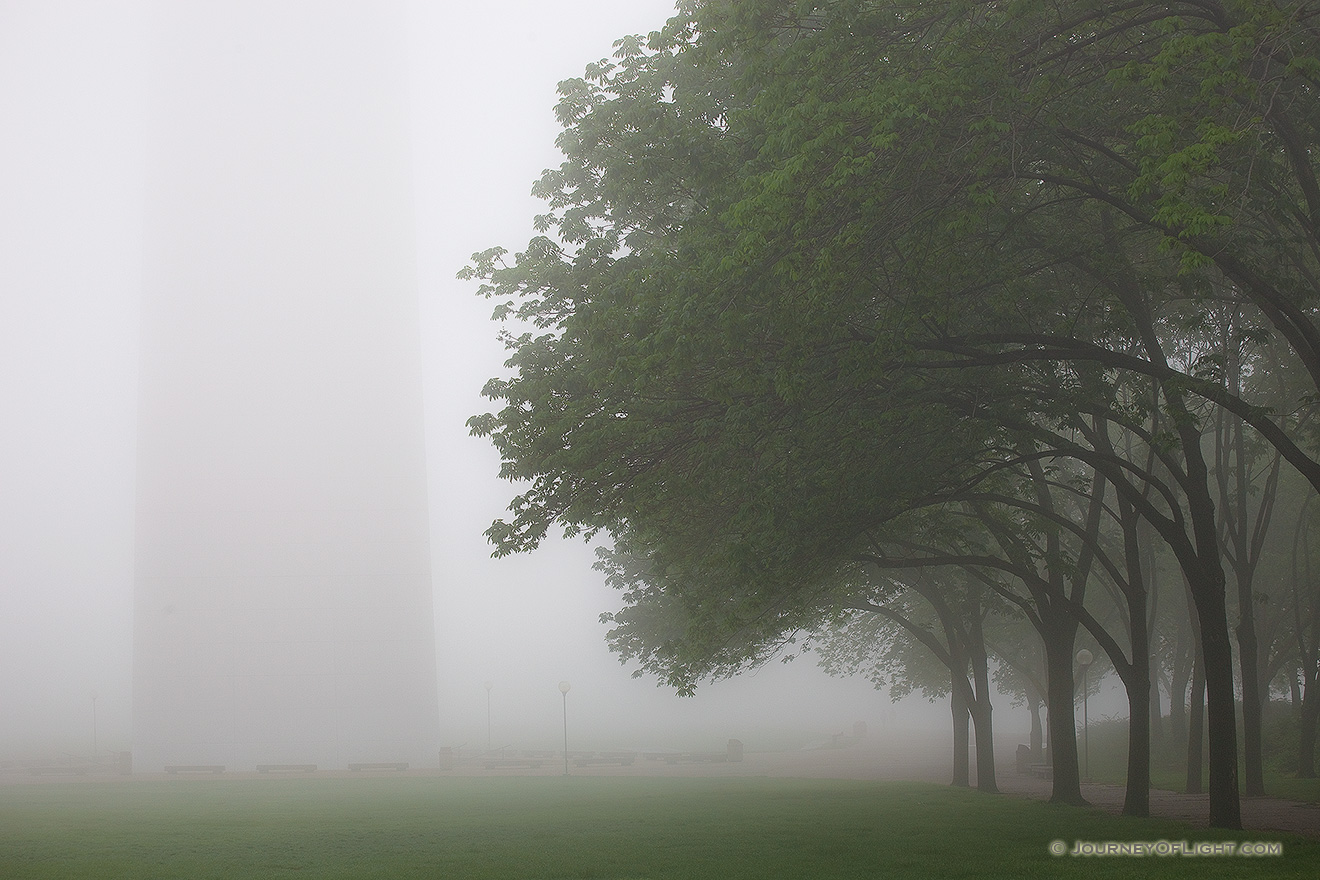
{"x":1084,"y":657}
{"x":563,"y":687}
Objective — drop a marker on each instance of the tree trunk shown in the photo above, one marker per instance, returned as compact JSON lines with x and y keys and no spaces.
{"x":1062,"y":711}
{"x":1200,"y":561}
{"x":1179,"y":674}
{"x":981,"y":712}
{"x":1037,"y":734}
{"x":1306,"y":733}
{"x":1253,"y":771}
{"x":961,"y":738}
{"x":1136,"y":799}
{"x":1244,"y":532}
{"x":1146,"y":542}
{"x":1196,"y":730}
{"x":1156,"y":710}
{"x":1221,"y":707}
{"x":1306,"y":692}
{"x":1208,"y":586}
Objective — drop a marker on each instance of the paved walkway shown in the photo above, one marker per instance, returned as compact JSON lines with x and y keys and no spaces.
{"x":1258,"y":813}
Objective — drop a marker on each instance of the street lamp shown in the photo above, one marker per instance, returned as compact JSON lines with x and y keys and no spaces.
{"x":563,"y":689}
{"x":1084,"y":658}
{"x":488,"y":687}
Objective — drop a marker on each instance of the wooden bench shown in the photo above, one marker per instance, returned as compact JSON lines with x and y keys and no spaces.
{"x":61,"y":769}
{"x":696,"y":758}
{"x":623,"y":760}
{"x":194,"y":768}
{"x":1044,"y":771}
{"x":511,"y":763}
{"x":286,"y":768}
{"x":402,"y":765}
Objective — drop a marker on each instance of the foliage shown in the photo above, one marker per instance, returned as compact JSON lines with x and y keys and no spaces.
{"x":815,"y":274}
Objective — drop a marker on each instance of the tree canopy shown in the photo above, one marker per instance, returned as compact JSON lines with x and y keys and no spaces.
{"x":808,"y":268}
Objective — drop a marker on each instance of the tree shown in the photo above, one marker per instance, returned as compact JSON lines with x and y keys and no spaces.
{"x":778,"y":226}
{"x":892,"y":634}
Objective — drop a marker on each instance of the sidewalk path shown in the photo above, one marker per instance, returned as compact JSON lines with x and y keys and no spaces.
{"x":1258,"y":813}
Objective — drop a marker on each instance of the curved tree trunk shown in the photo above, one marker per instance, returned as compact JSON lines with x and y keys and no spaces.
{"x":1244,"y":536}
{"x":1199,"y":557}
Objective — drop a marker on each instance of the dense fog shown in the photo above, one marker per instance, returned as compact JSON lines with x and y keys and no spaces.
{"x":77,"y":228}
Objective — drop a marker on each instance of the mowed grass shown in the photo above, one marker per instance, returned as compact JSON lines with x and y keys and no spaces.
{"x":577,"y":828}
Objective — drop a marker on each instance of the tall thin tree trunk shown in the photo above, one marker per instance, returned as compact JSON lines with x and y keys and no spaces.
{"x":1201,"y":563}
{"x":1136,"y":798}
{"x":981,"y":716}
{"x":1179,"y":676}
{"x":1221,"y":709}
{"x":1156,"y":710}
{"x":1037,"y":733}
{"x":961,"y":738}
{"x":1062,"y":711}
{"x":1306,"y":693}
{"x":1306,"y":730}
{"x":1146,"y":542}
{"x":1207,"y":583}
{"x":1244,"y":533}
{"x":1196,"y":731}
{"x":1253,"y":769}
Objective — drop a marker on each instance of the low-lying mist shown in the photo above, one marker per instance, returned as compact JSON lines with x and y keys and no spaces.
{"x":76,"y":177}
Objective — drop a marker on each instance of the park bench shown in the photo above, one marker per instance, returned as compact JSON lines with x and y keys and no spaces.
{"x":1044,"y":771}
{"x":623,"y":759}
{"x":402,"y":765}
{"x":286,"y":768}
{"x":512,"y":763}
{"x":696,"y":758}
{"x":59,"y":769}
{"x":194,"y":768}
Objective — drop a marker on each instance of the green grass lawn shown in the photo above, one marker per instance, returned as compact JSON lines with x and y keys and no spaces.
{"x":553,"y":827}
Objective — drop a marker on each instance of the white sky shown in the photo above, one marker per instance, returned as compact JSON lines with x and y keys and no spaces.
{"x":70,"y":171}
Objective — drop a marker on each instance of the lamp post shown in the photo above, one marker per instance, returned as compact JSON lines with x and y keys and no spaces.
{"x":1084,"y":659}
{"x":488,"y":687}
{"x":563,"y":689}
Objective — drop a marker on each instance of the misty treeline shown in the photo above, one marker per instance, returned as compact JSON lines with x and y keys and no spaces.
{"x":951,"y":337}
